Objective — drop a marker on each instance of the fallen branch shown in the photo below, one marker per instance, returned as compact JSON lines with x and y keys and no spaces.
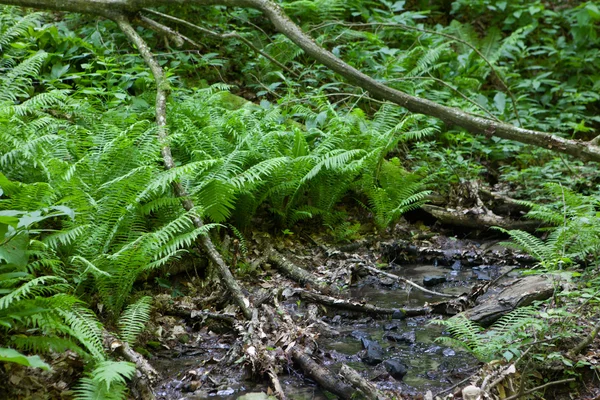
{"x":367,"y":389}
{"x":146,"y":375}
{"x":293,"y":271}
{"x":396,"y":313}
{"x":586,"y":341}
{"x":321,"y":375}
{"x":407,"y":281}
{"x":162,"y":92}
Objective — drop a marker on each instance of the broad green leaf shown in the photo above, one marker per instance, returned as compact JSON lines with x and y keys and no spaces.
{"x":15,"y":250}
{"x":11,"y":355}
{"x":500,"y":101}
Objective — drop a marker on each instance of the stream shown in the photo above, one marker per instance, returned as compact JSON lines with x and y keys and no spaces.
{"x":379,"y":348}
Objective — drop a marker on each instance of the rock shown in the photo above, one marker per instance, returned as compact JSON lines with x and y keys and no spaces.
{"x":391,"y":327}
{"x":226,"y":392}
{"x":395,"y":368}
{"x":520,"y":293}
{"x":406,"y":337}
{"x":359,"y":335}
{"x":432,"y":280}
{"x":256,"y":396}
{"x":398,"y":314}
{"x":457,"y":266}
{"x":373,"y":353}
{"x":471,"y":393}
{"x":448,"y":353}
{"x":387,"y":281}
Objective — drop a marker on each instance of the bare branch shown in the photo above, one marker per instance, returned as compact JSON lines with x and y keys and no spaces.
{"x":222,"y":36}
{"x":162,"y":92}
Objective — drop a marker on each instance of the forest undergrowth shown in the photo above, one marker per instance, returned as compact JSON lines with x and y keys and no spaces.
{"x":87,"y":210}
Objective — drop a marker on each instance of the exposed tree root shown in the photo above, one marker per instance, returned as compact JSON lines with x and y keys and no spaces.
{"x":407,"y":281}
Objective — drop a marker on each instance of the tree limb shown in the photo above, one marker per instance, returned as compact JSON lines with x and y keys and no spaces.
{"x":586,"y":151}
{"x":162,"y":92}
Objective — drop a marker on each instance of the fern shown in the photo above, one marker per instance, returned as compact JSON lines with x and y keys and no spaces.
{"x":106,"y":382}
{"x":501,"y":339}
{"x":134,"y":318}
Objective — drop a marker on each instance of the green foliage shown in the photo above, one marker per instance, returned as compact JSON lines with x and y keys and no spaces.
{"x":503,"y":339}
{"x":133,"y":320}
{"x":574,"y":235}
{"x":106,"y":382}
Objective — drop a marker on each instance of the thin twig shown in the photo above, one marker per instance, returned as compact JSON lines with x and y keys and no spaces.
{"x":222,"y":36}
{"x":456,"y":384}
{"x":407,"y":281}
{"x":516,"y":396}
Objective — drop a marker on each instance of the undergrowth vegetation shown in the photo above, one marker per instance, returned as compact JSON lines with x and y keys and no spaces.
{"x":86,"y":208}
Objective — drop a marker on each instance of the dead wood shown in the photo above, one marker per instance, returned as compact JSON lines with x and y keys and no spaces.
{"x":367,"y":389}
{"x":586,"y":341}
{"x":502,"y":204}
{"x":324,"y":328}
{"x":407,"y":281}
{"x":470,"y":219}
{"x":162,"y":92}
{"x":361,"y":306}
{"x":145,"y":376}
{"x":298,"y":274}
{"x":321,"y":375}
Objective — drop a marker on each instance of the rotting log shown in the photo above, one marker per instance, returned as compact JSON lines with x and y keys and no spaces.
{"x":469,"y":219}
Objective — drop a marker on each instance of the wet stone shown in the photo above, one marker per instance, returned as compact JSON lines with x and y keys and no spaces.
{"x":226,"y":392}
{"x":448,"y":353}
{"x":391,"y":327}
{"x":406,"y":337}
{"x":395,"y":368}
{"x":432,"y":280}
{"x":373,"y":353}
{"x":359,"y":335}
{"x":456,"y":266}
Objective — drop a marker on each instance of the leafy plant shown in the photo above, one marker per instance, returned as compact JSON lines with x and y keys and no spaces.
{"x":503,"y":339}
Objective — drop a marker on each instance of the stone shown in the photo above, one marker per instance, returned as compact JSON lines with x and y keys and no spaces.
{"x":395,"y":368}
{"x":471,"y":393}
{"x":432,"y":280}
{"x":456,"y":266}
{"x":448,"y":353}
{"x":359,"y":335}
{"x":373,"y":354}
{"x":405,"y":337}
{"x":520,"y":293}
{"x":256,"y":396}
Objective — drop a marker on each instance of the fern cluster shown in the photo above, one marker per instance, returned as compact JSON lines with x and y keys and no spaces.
{"x":574,"y":233}
{"x":502,"y":340}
